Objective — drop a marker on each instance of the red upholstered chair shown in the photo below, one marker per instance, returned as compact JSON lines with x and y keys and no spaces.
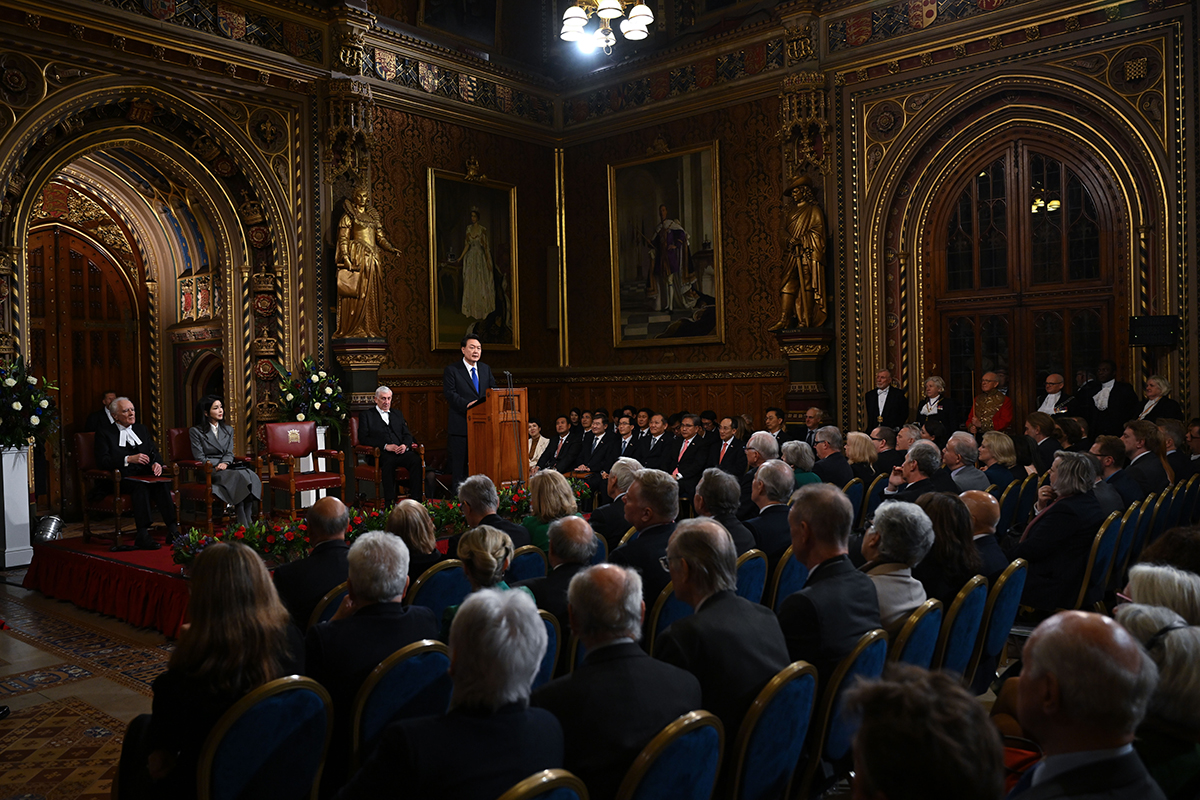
{"x":371,"y":473}
{"x":287,"y":443}
{"x":113,"y":503}
{"x":194,"y":478}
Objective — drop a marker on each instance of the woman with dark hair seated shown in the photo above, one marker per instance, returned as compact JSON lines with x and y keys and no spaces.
{"x":411,"y":522}
{"x":934,"y":431}
{"x":954,"y":559}
{"x":239,"y":638}
{"x":212,"y":441}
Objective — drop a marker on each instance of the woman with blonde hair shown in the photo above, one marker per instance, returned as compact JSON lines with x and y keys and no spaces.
{"x":486,"y":553}
{"x":411,"y":522}
{"x":1158,"y":405}
{"x":998,"y":457}
{"x":239,"y":638}
{"x":550,"y":498}
{"x":861,"y":453}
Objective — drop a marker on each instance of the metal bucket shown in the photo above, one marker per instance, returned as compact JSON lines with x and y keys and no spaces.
{"x":49,"y":529}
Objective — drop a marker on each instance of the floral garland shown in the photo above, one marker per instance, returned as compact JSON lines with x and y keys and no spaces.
{"x":28,"y":414}
{"x":313,"y":394}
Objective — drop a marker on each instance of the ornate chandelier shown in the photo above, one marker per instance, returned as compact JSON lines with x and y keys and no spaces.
{"x":633,"y":27}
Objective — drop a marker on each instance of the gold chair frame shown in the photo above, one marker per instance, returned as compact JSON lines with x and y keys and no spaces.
{"x":650,"y":753}
{"x":416,"y":648}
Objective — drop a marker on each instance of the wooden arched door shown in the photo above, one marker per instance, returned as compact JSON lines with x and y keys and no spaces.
{"x":1024,"y":250}
{"x":87,"y":334}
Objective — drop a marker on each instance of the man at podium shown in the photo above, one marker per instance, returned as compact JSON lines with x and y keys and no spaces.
{"x":464,"y":383}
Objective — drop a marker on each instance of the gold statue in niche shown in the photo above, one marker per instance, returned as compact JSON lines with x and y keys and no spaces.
{"x":360,"y":272}
{"x":803,"y":294}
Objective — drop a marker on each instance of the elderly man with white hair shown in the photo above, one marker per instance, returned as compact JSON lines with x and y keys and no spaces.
{"x":491,"y":738}
{"x":609,"y":520}
{"x":899,"y":538}
{"x":371,"y":624}
{"x":832,"y":466}
{"x":762,"y":447}
{"x":384,"y":427}
{"x":773,"y":485}
{"x":959,"y":456}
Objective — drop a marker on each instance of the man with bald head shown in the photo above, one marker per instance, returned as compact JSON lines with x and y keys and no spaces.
{"x":838,"y":604}
{"x":302,"y":584}
{"x":618,"y":698}
{"x":1055,"y":401}
{"x":572,"y":545}
{"x":985,"y":515}
{"x":1084,"y":689}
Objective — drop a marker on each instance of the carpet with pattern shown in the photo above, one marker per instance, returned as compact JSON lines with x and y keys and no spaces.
{"x":59,"y":750}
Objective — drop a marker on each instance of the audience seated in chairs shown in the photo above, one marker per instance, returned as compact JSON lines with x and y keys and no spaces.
{"x":717,"y":496}
{"x":773,"y":485}
{"x":303,"y":583}
{"x":1178,"y":547}
{"x":899,"y":539}
{"x":411,"y":522}
{"x":914,"y":477}
{"x":371,"y":624}
{"x":239,"y":638}
{"x":486,"y":553}
{"x":1168,"y":740}
{"x":550,"y":498}
{"x":984,"y":509}
{"x":923,"y":737}
{"x":801,"y":458}
{"x":959,"y":456}
{"x":760,"y":448}
{"x":212,"y":441}
{"x":480,"y":501}
{"x":491,"y":738}
{"x":1169,"y":587}
{"x":651,"y":506}
{"x":862,"y":455}
{"x":618,"y":698}
{"x":608,"y":520}
{"x":998,"y":457}
{"x":572,"y":546}
{"x":954,"y":559}
{"x":733,"y":646}
{"x":824,"y":621}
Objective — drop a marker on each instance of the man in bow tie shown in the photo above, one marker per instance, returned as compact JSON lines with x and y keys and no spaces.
{"x":384,"y":427}
{"x":886,"y":404}
{"x":127,"y":446}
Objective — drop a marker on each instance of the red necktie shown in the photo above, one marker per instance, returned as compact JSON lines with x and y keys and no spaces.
{"x":724,"y":447}
{"x":683,"y":449}
{"x":558,"y":449}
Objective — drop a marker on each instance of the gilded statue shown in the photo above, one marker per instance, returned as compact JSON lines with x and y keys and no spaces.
{"x":803,"y":296}
{"x":360,"y":274}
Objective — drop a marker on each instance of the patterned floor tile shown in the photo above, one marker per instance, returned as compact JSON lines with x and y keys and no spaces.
{"x":62,"y":749}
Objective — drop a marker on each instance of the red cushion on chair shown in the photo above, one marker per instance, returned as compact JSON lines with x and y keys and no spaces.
{"x":179,"y":445}
{"x":307,"y":481}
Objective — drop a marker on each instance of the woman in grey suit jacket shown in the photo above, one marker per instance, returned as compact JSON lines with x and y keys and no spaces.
{"x":212,"y":441}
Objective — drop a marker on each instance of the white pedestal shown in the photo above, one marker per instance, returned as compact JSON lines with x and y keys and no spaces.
{"x":14,"y":484}
{"x":308,"y":499}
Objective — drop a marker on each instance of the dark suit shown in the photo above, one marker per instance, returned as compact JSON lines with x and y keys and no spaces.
{"x":611,"y":706}
{"x":550,"y":594}
{"x":609,"y":522}
{"x":110,"y":455}
{"x":999,"y":474}
{"x":301,"y":584}
{"x":835,"y":469}
{"x":781,"y":436}
{"x":895,"y":409}
{"x":340,"y":655}
{"x":1129,"y":489}
{"x":1121,"y":778}
{"x":1148,"y":472}
{"x":743,"y":539}
{"x":888,"y":460}
{"x":733,"y":646}
{"x":948,"y":413}
{"x":993,"y":558}
{"x":1046,"y":449}
{"x":690,"y":466}
{"x":912,"y":491}
{"x":734,"y":461}
{"x":643,"y":553}
{"x":626,"y":449}
{"x":1123,"y":406}
{"x":943,"y":481}
{"x":747,"y":508}
{"x":823,"y":621}
{"x":466,"y":754}
{"x":1108,"y":498}
{"x":656,"y":455}
{"x":96,"y":420}
{"x":599,"y":456}
{"x":372,"y":432}
{"x":459,"y":391}
{"x":771,"y":533}
{"x":1181,"y":465}
{"x":562,"y":453}
{"x":1165,"y":408}
{"x":1056,"y":544}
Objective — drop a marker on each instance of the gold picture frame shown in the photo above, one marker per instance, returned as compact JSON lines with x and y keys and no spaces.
{"x":460,"y":255}
{"x":667,"y":279}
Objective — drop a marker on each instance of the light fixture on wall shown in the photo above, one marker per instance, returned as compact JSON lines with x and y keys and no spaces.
{"x":634,"y":27}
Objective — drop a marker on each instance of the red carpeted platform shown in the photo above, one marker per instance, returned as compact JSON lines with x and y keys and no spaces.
{"x":142,"y":587}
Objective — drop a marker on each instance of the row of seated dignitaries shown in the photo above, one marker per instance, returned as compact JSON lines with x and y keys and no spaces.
{"x":596,"y":719}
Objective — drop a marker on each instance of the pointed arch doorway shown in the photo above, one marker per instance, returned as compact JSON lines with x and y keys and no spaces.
{"x":1024,"y":252}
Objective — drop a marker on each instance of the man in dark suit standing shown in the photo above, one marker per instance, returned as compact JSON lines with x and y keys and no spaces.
{"x":572,"y":545}
{"x":490,"y":739}
{"x":717,"y":495}
{"x":832,"y":466}
{"x":302,"y":584}
{"x":464,"y":384}
{"x":656,"y":449}
{"x":562,"y":452}
{"x":608,"y":520}
{"x":619,"y":698}
{"x":733,"y":646}
{"x":1085,"y":687}
{"x":773,"y":485}
{"x":729,"y":453}
{"x":371,"y":624}
{"x":386,"y":429}
{"x":691,"y":457}
{"x":101,"y":417}
{"x":126,"y":445}
{"x":838,"y":604}
{"x":1142,"y":443}
{"x":886,"y":405}
{"x":651,"y":505}
{"x":1107,"y":403}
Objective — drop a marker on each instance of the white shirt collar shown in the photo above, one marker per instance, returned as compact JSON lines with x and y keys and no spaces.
{"x":126,"y":436}
{"x":470,"y":366}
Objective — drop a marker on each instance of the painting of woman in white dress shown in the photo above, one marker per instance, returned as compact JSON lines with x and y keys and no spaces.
{"x":473,"y":252}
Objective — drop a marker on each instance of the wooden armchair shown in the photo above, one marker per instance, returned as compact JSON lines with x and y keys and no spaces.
{"x":287,"y":443}
{"x":194,"y":478}
{"x":115,"y":503}
{"x":366,"y":468}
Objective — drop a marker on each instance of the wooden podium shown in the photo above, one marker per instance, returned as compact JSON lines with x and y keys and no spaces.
{"x":497,"y":435}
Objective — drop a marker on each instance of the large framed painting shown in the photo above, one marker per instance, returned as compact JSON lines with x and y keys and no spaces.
{"x":474,"y":21}
{"x":472,"y":261}
{"x":665,"y":239}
